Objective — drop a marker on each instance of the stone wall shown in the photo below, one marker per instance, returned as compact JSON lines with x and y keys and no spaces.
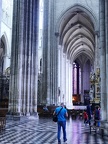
{"x":63,"y":5}
{"x":6,"y":28}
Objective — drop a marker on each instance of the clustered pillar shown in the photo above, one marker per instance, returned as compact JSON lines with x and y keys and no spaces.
{"x":24,"y":74}
{"x":50,"y":56}
{"x":65,"y":78}
{"x":106,"y":26}
{"x":103,"y":60}
{"x":0,"y":17}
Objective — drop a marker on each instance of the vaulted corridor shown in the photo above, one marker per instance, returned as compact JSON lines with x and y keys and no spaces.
{"x":76,"y":52}
{"x":52,"y":52}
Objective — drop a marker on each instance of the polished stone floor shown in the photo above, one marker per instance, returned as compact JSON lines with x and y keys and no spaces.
{"x":44,"y":131}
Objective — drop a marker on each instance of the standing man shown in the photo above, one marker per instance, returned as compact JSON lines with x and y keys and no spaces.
{"x":61,"y":122}
{"x":97,"y":116}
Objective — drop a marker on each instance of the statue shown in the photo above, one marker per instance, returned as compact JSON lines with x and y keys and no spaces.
{"x":92,"y":76}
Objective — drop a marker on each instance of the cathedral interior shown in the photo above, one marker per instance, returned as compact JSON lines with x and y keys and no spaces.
{"x":52,"y":51}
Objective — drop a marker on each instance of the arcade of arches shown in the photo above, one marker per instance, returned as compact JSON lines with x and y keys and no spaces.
{"x":63,"y":61}
{"x":76,"y":52}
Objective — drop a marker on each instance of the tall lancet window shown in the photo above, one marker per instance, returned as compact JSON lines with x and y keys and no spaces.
{"x":40,"y":47}
{"x":76,"y":78}
{"x":2,"y":53}
{"x":79,"y":80}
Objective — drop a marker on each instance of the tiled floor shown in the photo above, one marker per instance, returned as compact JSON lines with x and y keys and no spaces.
{"x":44,"y":131}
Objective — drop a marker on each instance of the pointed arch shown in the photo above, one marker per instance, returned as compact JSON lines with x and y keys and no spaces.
{"x":4,"y":51}
{"x":73,"y":8}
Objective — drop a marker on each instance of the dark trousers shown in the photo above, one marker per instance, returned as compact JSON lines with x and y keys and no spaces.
{"x":95,"y":121}
{"x":85,"y":120}
{"x":63,"y":125}
{"x":89,"y":119}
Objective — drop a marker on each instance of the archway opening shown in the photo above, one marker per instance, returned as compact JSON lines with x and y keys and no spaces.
{"x":4,"y":75}
{"x":77,"y":46}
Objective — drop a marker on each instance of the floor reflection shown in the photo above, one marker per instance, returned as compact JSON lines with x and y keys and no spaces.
{"x":44,"y":131}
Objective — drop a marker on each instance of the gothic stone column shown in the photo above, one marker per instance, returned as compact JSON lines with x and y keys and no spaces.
{"x":23,"y":80}
{"x":45,"y":51}
{"x":0,"y":16}
{"x":49,"y":55}
{"x":103,"y":59}
{"x":97,"y":56}
{"x":106,"y":26}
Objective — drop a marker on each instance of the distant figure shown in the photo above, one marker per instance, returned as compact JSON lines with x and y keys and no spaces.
{"x":97,"y":116}
{"x":85,"y":117}
{"x":89,"y":112}
{"x":61,"y":121}
{"x":45,"y":109}
{"x":99,"y":111}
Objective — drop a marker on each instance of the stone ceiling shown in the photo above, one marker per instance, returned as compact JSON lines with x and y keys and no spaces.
{"x":77,"y":35}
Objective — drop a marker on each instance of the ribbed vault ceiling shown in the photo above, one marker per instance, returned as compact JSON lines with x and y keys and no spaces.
{"x":77,"y":35}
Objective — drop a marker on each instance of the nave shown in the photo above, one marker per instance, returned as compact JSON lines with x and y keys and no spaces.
{"x":44,"y":131}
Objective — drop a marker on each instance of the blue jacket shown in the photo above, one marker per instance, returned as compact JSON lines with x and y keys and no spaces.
{"x":62,"y":115}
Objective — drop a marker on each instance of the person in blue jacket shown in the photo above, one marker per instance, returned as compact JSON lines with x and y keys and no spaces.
{"x":61,"y":122}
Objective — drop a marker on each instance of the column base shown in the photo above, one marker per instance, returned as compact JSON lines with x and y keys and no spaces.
{"x":105,"y":125}
{"x":18,"y":116}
